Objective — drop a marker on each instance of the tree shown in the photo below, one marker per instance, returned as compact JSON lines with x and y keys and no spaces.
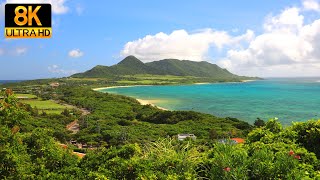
{"x":26,"y":156}
{"x":14,"y":160}
{"x":11,"y":112}
{"x":259,"y":123}
{"x":66,"y":112}
{"x":213,"y":134}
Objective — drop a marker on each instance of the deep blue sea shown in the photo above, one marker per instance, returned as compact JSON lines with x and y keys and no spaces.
{"x":290,"y":99}
{"x":9,"y":81}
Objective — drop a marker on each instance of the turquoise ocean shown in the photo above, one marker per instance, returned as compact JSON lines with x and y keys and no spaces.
{"x":288,"y":99}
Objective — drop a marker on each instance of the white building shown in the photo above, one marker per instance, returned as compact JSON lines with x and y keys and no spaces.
{"x":182,"y":137}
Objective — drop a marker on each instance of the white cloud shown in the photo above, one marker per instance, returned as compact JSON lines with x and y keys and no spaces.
{"x":288,"y":47}
{"x":57,"y":70}
{"x":311,"y":5}
{"x":53,"y":68}
{"x":20,"y":51}
{"x":182,"y":45}
{"x":289,"y":20}
{"x":58,"y":6}
{"x":75,"y":53}
{"x":1,"y":51}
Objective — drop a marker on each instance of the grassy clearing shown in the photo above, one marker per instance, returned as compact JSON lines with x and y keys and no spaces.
{"x":147,"y":79}
{"x":84,"y":79}
{"x":158,"y":77}
{"x":58,"y":111}
{"x":145,"y":82}
{"x":48,"y":106}
{"x":26,"y":96}
{"x":40,"y":104}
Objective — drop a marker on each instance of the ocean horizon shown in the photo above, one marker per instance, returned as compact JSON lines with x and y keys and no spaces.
{"x":288,"y":99}
{"x":10,"y":81}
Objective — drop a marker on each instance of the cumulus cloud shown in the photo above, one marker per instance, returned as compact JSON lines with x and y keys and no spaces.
{"x":181,"y":44}
{"x":75,"y":53}
{"x":289,"y":45}
{"x":286,"y":48}
{"x":58,"y":6}
{"x":57,"y":70}
{"x":289,"y":20}
{"x":311,"y":5}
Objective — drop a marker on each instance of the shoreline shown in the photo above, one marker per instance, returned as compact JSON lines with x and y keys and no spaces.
{"x":148,"y":102}
{"x":251,"y":80}
{"x":112,"y":87}
{"x":141,"y":101}
{"x":202,"y":83}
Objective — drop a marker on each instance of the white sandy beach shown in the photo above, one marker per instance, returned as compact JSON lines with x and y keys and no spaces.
{"x":248,"y":80}
{"x":141,"y":101}
{"x":111,"y":87}
{"x":151,"y":102}
{"x":202,"y":83}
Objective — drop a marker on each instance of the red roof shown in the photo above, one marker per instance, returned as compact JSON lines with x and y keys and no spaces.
{"x":238,"y":140}
{"x":63,"y":146}
{"x":80,"y":155}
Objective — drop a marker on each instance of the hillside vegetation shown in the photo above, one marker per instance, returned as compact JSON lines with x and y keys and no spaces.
{"x":117,"y":119}
{"x":133,"y":66}
{"x":131,"y":71}
{"x":270,"y":151}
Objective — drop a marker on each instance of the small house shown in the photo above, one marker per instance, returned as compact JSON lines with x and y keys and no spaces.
{"x":182,"y":137}
{"x":54,"y":85}
{"x":80,"y":155}
{"x":231,"y":141}
{"x":238,"y":140}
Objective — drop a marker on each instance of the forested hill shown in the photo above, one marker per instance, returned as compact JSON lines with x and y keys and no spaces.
{"x":132,"y":66}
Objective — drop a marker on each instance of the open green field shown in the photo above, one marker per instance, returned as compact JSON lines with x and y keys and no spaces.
{"x":84,"y":79}
{"x":145,"y":82}
{"x":47,"y":106}
{"x":120,"y":80}
{"x":25,"y":96}
{"x":158,"y":77}
{"x":147,"y":79}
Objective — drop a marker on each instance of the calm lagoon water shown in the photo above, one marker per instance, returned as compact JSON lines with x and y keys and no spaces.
{"x":294,"y":99}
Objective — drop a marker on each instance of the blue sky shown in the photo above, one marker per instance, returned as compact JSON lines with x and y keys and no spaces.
{"x":88,"y":33}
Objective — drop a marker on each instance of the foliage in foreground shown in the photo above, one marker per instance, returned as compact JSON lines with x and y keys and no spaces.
{"x":271,"y":152}
{"x":273,"y":156}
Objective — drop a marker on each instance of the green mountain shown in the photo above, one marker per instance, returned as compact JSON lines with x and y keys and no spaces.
{"x":131,"y":66}
{"x":190,"y":68}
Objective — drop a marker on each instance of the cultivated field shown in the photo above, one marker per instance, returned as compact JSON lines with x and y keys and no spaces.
{"x":48,"y":106}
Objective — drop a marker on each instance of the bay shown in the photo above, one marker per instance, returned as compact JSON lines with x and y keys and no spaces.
{"x":288,"y":99}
